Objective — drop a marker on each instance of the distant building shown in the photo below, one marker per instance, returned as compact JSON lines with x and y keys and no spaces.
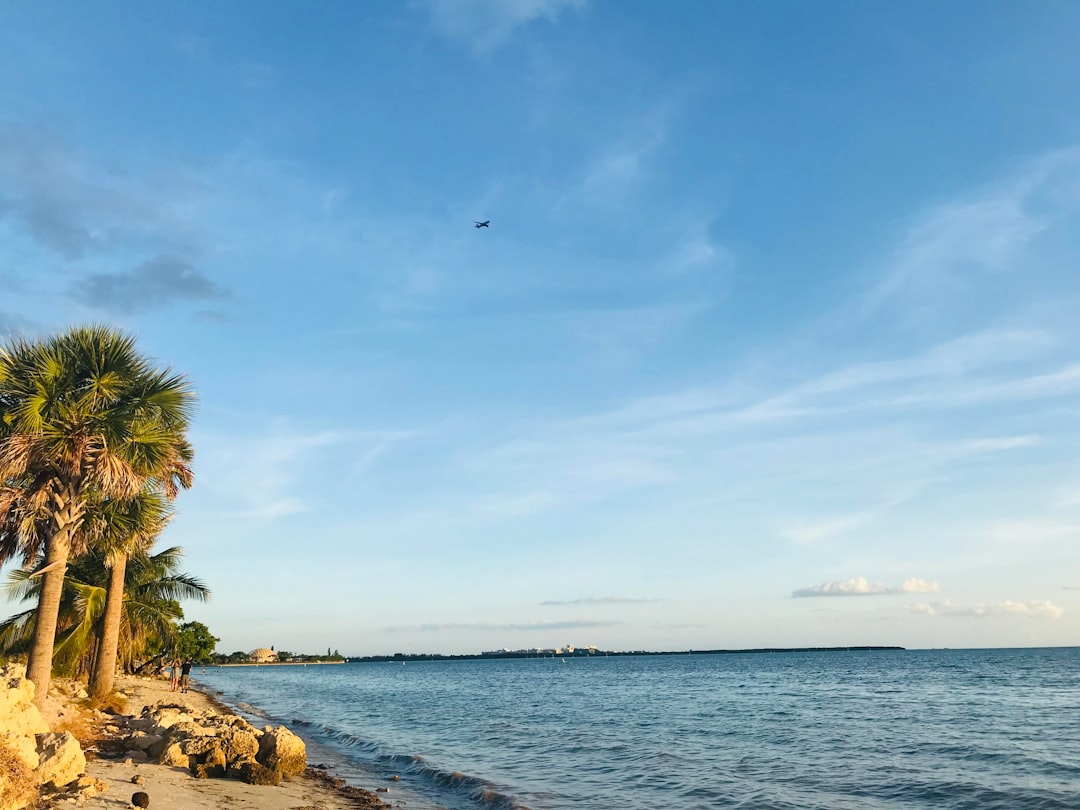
{"x":263,"y":656}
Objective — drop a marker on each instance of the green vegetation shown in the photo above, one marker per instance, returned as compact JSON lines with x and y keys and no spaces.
{"x":195,"y":643}
{"x":93,"y":448}
{"x":151,"y":611}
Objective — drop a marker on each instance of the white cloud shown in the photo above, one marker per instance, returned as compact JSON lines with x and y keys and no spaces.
{"x":860,"y":586}
{"x":1035,"y":609}
{"x":487,"y":24}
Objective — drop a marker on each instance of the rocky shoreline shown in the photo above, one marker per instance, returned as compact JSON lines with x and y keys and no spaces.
{"x":182,"y":751}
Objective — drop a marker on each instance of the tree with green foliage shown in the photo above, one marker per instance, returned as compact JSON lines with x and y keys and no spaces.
{"x":119,"y":529}
{"x":151,"y":610}
{"x":195,"y":643}
{"x":83,"y":416}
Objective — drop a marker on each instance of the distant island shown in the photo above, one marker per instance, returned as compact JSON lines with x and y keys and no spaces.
{"x":593,"y":652}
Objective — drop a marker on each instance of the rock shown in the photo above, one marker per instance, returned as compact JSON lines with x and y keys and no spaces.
{"x":238,"y":744}
{"x":60,"y":759}
{"x":87,"y":787}
{"x":169,"y":716}
{"x":137,"y":779}
{"x":209,"y":764}
{"x":140,"y":799}
{"x":20,"y":720}
{"x":174,"y":755}
{"x":197,"y":746}
{"x":143,"y":742}
{"x":281,"y":750}
{"x":255,"y":774}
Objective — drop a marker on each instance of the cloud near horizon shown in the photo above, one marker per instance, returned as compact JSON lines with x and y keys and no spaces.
{"x":860,"y":586}
{"x":1034,"y":609}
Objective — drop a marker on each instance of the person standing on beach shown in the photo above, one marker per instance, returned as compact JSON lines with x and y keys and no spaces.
{"x":176,"y":674}
{"x":185,"y":676}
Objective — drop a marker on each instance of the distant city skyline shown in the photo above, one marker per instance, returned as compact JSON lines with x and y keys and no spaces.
{"x":770,"y":341}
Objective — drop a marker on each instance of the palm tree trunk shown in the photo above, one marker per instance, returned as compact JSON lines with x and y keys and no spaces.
{"x":39,"y":665}
{"x":104,"y":673}
{"x":68,"y":519}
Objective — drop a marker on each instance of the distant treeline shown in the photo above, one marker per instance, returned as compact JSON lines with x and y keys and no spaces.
{"x":603,"y":653}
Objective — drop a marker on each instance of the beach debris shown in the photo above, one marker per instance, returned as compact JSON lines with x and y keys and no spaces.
{"x":86,"y":787}
{"x":382,"y":790}
{"x":140,"y":799}
{"x":395,"y":778}
{"x":137,"y":779}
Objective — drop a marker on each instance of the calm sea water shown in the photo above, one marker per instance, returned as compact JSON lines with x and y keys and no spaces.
{"x":919,"y":729}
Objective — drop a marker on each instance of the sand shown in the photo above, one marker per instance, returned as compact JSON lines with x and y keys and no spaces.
{"x":172,"y":788}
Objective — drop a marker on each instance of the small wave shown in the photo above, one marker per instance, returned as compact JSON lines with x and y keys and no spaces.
{"x":247,"y":708}
{"x":477,"y":789}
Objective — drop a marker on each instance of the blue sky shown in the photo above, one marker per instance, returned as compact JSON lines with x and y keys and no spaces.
{"x":772,"y":339}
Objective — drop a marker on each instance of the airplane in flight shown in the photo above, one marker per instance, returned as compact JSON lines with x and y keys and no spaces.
{"x":485,"y":224}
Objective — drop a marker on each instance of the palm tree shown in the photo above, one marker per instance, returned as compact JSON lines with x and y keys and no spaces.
{"x":151,"y":608}
{"x":123,"y":528}
{"x":83,"y":416}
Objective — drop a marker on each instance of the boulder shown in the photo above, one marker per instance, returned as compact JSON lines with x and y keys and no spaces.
{"x":255,"y":774}
{"x":60,"y":759}
{"x":211,"y":763}
{"x":140,"y":741}
{"x":281,"y":750}
{"x":20,"y":720}
{"x":174,"y":755}
{"x":238,"y":743}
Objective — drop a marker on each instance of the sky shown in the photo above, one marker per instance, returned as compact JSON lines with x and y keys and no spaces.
{"x":771,"y":341}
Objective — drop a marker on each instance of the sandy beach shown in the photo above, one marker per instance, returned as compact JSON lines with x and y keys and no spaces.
{"x":172,"y":788}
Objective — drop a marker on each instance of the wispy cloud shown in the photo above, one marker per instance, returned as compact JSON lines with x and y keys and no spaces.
{"x":599,"y":600}
{"x":1035,"y":609}
{"x":860,"y":586}
{"x":954,"y":243}
{"x":486,"y":24}
{"x":262,"y":476}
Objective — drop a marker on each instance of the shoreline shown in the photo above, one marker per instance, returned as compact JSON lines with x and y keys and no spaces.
{"x":102,"y":736}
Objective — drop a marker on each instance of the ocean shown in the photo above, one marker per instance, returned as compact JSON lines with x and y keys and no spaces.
{"x":832,"y":730}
